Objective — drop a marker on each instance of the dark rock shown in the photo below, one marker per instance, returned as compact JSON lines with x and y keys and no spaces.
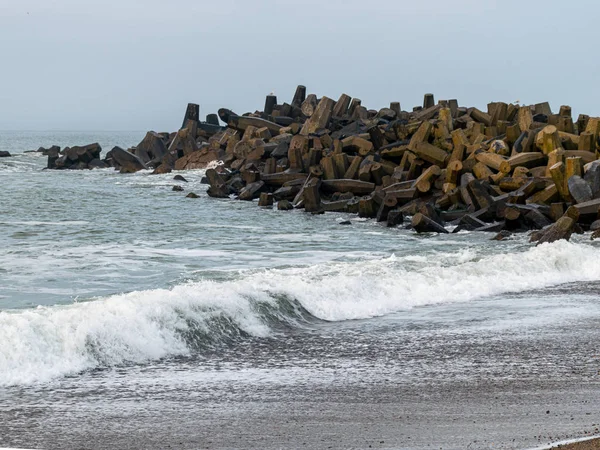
{"x":124,"y":161}
{"x":84,"y":154}
{"x":60,"y":162}
{"x":4,"y":154}
{"x":252,"y":190}
{"x":47,"y":151}
{"x":97,"y":164}
{"x":53,"y":155}
{"x":284,"y":205}
{"x":75,"y":158}
{"x":345,"y":222}
{"x":235,"y":184}
{"x":423,"y":224}
{"x":151,"y":150}
{"x":180,"y":178}
{"x":502,"y":235}
{"x":395,"y":218}
{"x":579,"y":189}
{"x":192,"y":195}
{"x":266,"y":199}
{"x":162,"y":169}
{"x":79,"y":165}
{"x":177,"y":188}
{"x":218,"y":187}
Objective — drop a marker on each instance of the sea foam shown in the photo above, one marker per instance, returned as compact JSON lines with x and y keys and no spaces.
{"x":39,"y":344}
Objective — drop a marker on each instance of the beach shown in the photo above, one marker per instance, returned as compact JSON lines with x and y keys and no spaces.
{"x":224,"y":325}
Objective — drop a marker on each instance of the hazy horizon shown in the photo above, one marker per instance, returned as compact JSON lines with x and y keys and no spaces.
{"x":116,"y":66}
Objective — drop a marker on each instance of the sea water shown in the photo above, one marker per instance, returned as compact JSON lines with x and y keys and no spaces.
{"x":117,"y":280}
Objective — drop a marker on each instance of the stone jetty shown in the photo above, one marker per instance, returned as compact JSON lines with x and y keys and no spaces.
{"x":506,"y":168}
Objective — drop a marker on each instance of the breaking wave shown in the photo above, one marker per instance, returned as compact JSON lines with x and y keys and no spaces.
{"x":39,"y":344}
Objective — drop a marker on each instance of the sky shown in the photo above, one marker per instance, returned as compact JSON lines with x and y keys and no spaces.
{"x":134,"y":65}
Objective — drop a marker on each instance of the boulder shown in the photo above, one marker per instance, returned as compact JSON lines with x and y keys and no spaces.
{"x":284,"y":205}
{"x":76,"y":157}
{"x":162,"y":169}
{"x":4,"y":154}
{"x":151,"y":150}
{"x":83,"y":154}
{"x":97,"y":164}
{"x":124,"y":161}
{"x":199,"y":159}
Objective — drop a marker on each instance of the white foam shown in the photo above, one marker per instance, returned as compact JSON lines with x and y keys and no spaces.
{"x":42,"y":343}
{"x":372,"y":288}
{"x":42,"y":223}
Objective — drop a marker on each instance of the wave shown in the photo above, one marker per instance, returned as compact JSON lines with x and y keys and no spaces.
{"x":39,"y":344}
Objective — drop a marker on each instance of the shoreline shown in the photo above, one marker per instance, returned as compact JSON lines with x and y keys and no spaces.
{"x":450,"y":417}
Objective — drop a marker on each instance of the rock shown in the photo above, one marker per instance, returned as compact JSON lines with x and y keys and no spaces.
{"x":423,"y":224}
{"x":60,"y":162}
{"x":180,"y":178}
{"x":75,"y":157}
{"x":43,"y":151}
{"x":191,"y":195}
{"x":198,"y":159}
{"x":395,"y":218}
{"x":320,"y":117}
{"x":218,"y":188}
{"x":83,"y":154}
{"x":79,"y":165}
{"x":284,"y":205}
{"x":579,"y":189}
{"x":251,"y":191}
{"x":177,"y":188}
{"x":311,"y":196}
{"x":265,"y":199}
{"x":345,"y":222}
{"x":53,"y":155}
{"x":502,"y":235}
{"x":162,"y":169}
{"x":151,"y":150}
{"x":124,"y":161}
{"x":4,"y":154}
{"x":595,"y":225}
{"x":562,"y":229}
{"x":192,"y":112}
{"x":97,"y":164}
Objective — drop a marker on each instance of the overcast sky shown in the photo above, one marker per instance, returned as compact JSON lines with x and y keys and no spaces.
{"x":134,"y":65}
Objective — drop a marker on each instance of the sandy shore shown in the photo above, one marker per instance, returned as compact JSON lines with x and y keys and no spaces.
{"x":404,"y":382}
{"x":593,"y":444}
{"x":454,"y":416}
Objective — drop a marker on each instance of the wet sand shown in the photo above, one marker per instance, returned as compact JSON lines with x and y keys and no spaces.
{"x":453,"y":416}
{"x":451,"y":377}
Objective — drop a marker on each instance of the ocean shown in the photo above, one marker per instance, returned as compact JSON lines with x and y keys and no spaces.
{"x":134,"y":317}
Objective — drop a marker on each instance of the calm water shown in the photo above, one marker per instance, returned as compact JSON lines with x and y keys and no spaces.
{"x":113,"y":286}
